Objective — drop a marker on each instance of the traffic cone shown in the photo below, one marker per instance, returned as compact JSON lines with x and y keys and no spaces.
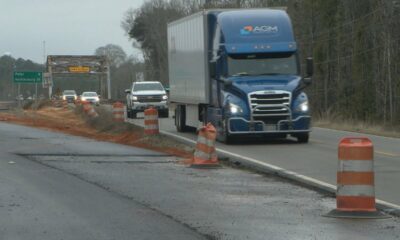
{"x":355,"y":194}
{"x":205,"y":155}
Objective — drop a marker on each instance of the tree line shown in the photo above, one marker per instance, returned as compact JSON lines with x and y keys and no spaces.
{"x":355,"y":46}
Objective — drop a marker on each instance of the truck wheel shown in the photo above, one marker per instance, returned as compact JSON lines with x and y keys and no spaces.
{"x":223,"y":134}
{"x":133,"y":114}
{"x":303,"y":137}
{"x":164,"y":113}
{"x":180,"y":118}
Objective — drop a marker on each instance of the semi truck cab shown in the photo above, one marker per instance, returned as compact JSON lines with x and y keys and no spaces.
{"x":253,"y":84}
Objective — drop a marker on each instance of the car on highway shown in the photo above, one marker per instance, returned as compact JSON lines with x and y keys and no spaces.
{"x":143,"y":95}
{"x":69,"y":96}
{"x":91,"y":97}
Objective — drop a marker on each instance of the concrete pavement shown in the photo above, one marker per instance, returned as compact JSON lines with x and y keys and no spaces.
{"x":317,"y":159}
{"x":56,"y":186}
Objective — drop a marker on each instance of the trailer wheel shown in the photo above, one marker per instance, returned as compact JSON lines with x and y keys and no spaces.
{"x":180,"y":119}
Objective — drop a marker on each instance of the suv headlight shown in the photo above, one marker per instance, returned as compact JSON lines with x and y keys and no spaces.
{"x":134,"y":98}
{"x":235,"y":109}
{"x":164,"y":97}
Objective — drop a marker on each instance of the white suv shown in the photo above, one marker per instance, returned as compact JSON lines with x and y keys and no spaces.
{"x":142,"y":95}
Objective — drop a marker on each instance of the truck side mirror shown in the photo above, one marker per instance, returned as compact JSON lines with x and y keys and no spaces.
{"x":213,"y":69}
{"x":310,"y":66}
{"x":127,"y":91}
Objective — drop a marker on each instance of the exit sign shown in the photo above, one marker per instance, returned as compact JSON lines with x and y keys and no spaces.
{"x":28,"y":77}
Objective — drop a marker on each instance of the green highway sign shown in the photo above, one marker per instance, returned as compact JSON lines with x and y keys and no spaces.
{"x":28,"y":77}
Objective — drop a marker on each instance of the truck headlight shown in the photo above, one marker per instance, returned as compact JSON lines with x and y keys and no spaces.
{"x":164,"y":97}
{"x":303,"y":107}
{"x":234,"y":109}
{"x":134,"y":98}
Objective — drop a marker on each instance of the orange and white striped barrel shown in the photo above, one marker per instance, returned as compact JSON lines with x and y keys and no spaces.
{"x":205,"y":154}
{"x":151,"y":121}
{"x":65,"y":104}
{"x":86,"y":107}
{"x":118,"y":112}
{"x":92,"y":113}
{"x":355,"y":194}
{"x":78,"y":102}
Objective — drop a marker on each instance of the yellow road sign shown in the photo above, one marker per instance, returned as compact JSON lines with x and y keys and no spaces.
{"x":79,"y":69}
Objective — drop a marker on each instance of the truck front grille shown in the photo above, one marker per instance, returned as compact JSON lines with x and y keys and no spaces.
{"x":270,"y":106}
{"x":150,"y":98}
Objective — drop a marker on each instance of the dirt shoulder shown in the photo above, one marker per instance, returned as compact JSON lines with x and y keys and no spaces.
{"x":73,"y":121}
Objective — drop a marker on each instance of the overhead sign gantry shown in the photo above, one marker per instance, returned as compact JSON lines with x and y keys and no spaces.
{"x":80,"y":73}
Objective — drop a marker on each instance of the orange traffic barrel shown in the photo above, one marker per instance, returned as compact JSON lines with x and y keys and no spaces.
{"x":355,"y":193}
{"x":78,"y":102}
{"x":118,"y":112}
{"x":92,"y":113}
{"x":65,"y":104}
{"x":86,"y":107}
{"x":205,"y":155}
{"x":151,"y":121}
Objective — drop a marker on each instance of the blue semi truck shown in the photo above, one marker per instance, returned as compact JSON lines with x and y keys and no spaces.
{"x":239,"y":70}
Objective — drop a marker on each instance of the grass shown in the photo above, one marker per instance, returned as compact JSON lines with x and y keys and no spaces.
{"x":339,"y":123}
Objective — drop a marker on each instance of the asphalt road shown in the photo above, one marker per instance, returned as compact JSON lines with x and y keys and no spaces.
{"x":56,"y":186}
{"x":318,"y":158}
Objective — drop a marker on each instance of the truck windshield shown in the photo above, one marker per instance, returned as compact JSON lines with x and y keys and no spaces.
{"x":148,"y":87}
{"x":262,"y":66}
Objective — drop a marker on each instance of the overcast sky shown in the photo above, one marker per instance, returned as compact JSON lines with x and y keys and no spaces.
{"x":69,"y":27}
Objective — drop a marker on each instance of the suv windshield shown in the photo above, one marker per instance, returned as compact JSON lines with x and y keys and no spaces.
{"x":148,"y":87}
{"x":262,"y":66}
{"x":69,"y":92}
{"x":89,"y":94}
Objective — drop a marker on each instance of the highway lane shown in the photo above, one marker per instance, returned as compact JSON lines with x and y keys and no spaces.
{"x":38,"y":202}
{"x":318,"y":158}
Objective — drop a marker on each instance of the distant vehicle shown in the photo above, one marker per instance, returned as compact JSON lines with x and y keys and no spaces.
{"x":69,"y":96}
{"x":239,"y":70}
{"x":145,"y":94}
{"x":90,"y":97}
{"x":20,"y":98}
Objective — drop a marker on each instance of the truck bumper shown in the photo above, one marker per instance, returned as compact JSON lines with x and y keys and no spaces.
{"x":140,"y":107}
{"x":239,"y":125}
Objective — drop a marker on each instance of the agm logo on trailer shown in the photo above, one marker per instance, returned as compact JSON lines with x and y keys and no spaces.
{"x":247,"y":30}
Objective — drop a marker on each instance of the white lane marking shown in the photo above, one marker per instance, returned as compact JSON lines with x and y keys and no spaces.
{"x":365,"y":134}
{"x":376,"y":151}
{"x":387,"y":154}
{"x":282,"y":170}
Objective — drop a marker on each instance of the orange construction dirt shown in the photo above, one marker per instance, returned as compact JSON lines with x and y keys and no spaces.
{"x":67,"y":121}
